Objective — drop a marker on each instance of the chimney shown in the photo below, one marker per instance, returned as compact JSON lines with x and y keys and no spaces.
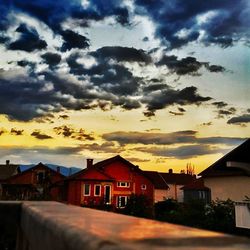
{"x":7,"y":162}
{"x":170,"y":171}
{"x":89,"y":163}
{"x":58,"y":169}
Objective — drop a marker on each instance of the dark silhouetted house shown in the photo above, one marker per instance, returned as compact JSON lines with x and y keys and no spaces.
{"x":109,"y":182}
{"x":7,"y":170}
{"x":229,"y":177}
{"x":38,"y":182}
{"x":168,"y":185}
{"x":196,"y":190}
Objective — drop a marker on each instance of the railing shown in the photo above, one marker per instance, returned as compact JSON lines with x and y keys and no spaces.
{"x":52,"y":225}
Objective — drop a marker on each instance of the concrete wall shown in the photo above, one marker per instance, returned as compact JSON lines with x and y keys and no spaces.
{"x":228,"y":187}
{"x":55,"y":226}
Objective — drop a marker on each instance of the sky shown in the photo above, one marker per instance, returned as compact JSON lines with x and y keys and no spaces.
{"x":162,"y":83}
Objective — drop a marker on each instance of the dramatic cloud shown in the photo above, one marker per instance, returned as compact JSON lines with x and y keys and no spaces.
{"x":70,"y":132}
{"x":239,"y":120}
{"x":159,"y":100}
{"x":15,"y":131}
{"x":38,"y":135}
{"x":179,"y":137}
{"x":106,"y":147}
{"x":220,"y":104}
{"x":187,"y":66}
{"x":73,"y":40}
{"x":52,"y":59}
{"x":183,"y":152}
{"x":122,"y":54}
{"x":150,"y":138}
{"x":28,"y":41}
{"x":209,"y":22}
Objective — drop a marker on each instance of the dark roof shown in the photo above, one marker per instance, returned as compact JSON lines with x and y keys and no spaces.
{"x":241,"y":154}
{"x":7,"y":170}
{"x":179,"y":179}
{"x":157,"y":179}
{"x":37,"y":166}
{"x":99,"y":166}
{"x":197,"y":184}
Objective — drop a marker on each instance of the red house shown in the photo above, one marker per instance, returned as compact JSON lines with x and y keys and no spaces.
{"x":34,"y":183}
{"x":109,"y":182}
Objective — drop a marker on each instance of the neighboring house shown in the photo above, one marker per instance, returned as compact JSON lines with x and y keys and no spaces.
{"x":229,"y":177}
{"x":161,"y":187}
{"x":7,"y":170}
{"x":175,"y":182}
{"x":38,"y":182}
{"x":108,"y":182}
{"x":196,"y":190}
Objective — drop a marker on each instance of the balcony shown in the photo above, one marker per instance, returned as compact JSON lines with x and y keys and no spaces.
{"x":55,"y":226}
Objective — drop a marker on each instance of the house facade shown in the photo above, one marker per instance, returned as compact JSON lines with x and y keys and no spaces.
{"x":109,"y":182}
{"x":36,"y":182}
{"x":229,"y":177}
{"x":196,"y":190}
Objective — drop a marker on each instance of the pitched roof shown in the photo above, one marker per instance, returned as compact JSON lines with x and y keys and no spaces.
{"x":157,"y":179}
{"x":99,"y":166}
{"x":197,"y":184}
{"x":240,"y":154}
{"x":178,"y":179}
{"x":34,"y":167}
{"x":7,"y":170}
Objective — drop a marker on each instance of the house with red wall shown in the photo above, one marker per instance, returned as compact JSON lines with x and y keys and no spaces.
{"x":108,"y":182}
{"x":36,"y":182}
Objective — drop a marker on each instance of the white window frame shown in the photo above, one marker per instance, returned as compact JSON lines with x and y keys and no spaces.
{"x":119,"y":201}
{"x":100,"y":192}
{"x":143,"y":186}
{"x":126,"y":184}
{"x":84,"y":188}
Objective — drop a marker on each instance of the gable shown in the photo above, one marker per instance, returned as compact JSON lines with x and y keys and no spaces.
{"x":230,"y":164}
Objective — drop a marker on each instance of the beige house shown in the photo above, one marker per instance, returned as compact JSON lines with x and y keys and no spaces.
{"x":229,"y":177}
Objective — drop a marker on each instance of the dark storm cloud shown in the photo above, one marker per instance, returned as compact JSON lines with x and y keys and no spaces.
{"x":220,"y":104}
{"x":53,"y":13}
{"x":15,"y":131}
{"x":29,"y":40}
{"x":183,"y":152}
{"x":39,"y":135}
{"x":122,"y":54}
{"x":187,"y":66}
{"x":110,"y":77}
{"x":78,"y":134}
{"x":179,"y":137}
{"x":39,"y":150}
{"x":52,"y":59}
{"x":226,"y":22}
{"x":159,"y":100}
{"x":239,"y":120}
{"x":73,"y":40}
{"x":106,"y":147}
{"x":150,"y":138}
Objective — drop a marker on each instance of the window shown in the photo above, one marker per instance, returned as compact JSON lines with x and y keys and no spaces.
{"x":202,"y":195}
{"x":122,"y":201}
{"x":86,"y":189}
{"x":40,"y":177}
{"x":97,"y":190}
{"x":123,"y":184}
{"x":143,"y":186}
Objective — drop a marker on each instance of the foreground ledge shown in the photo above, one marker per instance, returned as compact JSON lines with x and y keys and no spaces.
{"x":52,"y":225}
